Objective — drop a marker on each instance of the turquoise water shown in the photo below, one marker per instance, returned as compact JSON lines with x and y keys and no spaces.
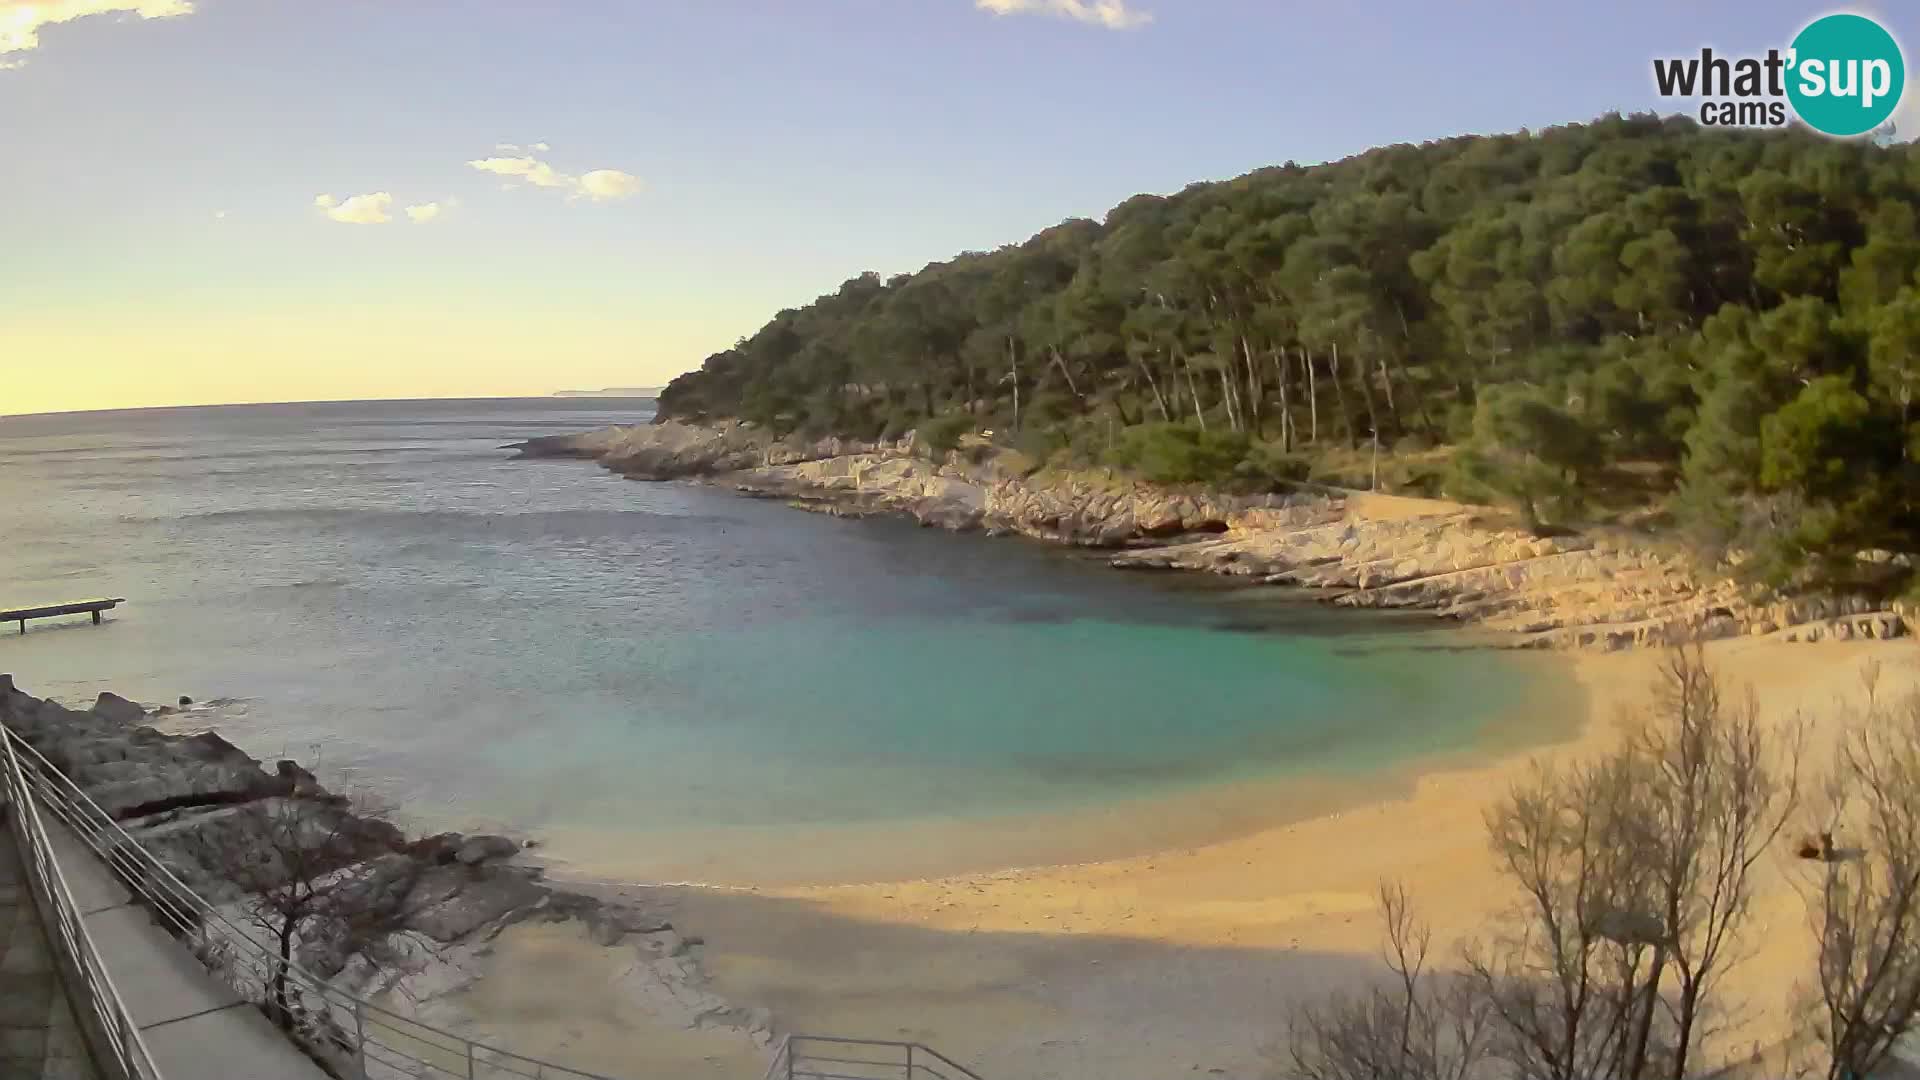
{"x":687,"y":677}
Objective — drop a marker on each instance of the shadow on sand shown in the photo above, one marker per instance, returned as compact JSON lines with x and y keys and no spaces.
{"x":1059,"y":1004}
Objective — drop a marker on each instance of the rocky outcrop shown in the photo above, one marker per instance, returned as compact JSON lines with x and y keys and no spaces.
{"x":671,"y":451}
{"x":1089,"y":509}
{"x":1092,"y":508}
{"x":405,"y":915}
{"x":1586,"y":591}
{"x":1541,"y":592}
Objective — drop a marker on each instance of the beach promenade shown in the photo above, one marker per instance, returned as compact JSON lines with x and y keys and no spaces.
{"x":161,"y":1015}
{"x":38,"y":1034}
{"x":192,"y":1023}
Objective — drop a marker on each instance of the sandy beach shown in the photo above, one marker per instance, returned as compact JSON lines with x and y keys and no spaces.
{"x":1178,"y":963}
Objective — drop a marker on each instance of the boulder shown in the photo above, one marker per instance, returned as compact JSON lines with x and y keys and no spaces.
{"x":145,"y":788}
{"x":459,"y":903}
{"x":117,"y":709}
{"x":295,"y":779}
{"x":383,"y":883}
{"x":439,"y":849}
{"x":479,"y":849}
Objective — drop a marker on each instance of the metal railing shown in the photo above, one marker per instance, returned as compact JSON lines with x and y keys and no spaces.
{"x":823,"y":1057}
{"x":112,"y":1035}
{"x":351,"y":1034}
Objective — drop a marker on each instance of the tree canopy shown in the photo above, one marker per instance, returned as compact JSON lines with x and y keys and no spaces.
{"x":1730,"y":318}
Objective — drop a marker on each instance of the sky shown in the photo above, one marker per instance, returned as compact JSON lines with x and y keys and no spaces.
{"x":210,"y":201}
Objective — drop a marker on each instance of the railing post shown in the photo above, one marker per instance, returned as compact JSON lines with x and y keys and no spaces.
{"x":469,"y":1059}
{"x":789,"y":1057}
{"x":909,"y":1061}
{"x":360,"y":1036}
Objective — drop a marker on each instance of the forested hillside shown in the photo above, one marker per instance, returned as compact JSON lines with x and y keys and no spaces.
{"x":1715,"y":328}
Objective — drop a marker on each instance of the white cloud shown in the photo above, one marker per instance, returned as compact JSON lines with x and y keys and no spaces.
{"x":371,"y":209}
{"x":22,"y":20}
{"x":524,"y":167}
{"x":219,"y":215}
{"x":1112,"y":14}
{"x":599,"y":185}
{"x":423,"y":213}
{"x":606,"y":185}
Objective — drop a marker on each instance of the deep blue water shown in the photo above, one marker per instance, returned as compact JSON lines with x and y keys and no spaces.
{"x":546,"y":647}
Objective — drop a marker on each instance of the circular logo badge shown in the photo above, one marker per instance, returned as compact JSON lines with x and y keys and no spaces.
{"x":1847,"y":75}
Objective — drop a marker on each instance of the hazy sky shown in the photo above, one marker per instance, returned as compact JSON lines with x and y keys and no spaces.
{"x":214,"y":200}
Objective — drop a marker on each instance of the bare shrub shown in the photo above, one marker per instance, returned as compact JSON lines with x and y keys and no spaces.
{"x":1634,"y":874}
{"x":1420,"y":1026}
{"x":1865,"y":896}
{"x":289,"y":856}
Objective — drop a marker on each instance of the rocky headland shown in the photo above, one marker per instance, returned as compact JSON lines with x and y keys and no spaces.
{"x":409,"y":921}
{"x":1599,"y":589}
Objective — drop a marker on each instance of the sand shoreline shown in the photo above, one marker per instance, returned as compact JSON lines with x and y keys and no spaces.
{"x":1180,"y":962}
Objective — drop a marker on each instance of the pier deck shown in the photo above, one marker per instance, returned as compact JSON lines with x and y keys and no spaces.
{"x":79,"y":607}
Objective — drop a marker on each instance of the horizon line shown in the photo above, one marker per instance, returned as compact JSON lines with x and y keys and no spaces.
{"x":554,"y":396}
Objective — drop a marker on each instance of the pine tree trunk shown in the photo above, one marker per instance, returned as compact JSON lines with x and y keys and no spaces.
{"x":1386,"y":381}
{"x":1194,"y":387}
{"x":1419,"y":400}
{"x":1153,"y":384}
{"x":1255,"y":389}
{"x":1340,"y":401}
{"x":1013,"y":367}
{"x":1313,"y":398}
{"x":1176,"y":394}
{"x":1286,"y":408}
{"x":1068,"y":375}
{"x":1366,"y":396}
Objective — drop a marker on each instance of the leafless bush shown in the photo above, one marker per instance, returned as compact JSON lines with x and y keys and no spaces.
{"x":1865,"y":896}
{"x":1421,"y":1026}
{"x":287,"y":858}
{"x":1635,"y":877}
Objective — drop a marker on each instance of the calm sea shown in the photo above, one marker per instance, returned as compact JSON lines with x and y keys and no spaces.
{"x":670,"y":682}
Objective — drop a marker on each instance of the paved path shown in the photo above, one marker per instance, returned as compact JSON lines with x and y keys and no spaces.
{"x":194,"y":1025}
{"x":38,"y":1037}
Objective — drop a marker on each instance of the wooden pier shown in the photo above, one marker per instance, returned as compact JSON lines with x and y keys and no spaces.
{"x":93,"y":607}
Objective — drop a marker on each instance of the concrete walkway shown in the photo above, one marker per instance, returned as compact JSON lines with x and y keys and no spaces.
{"x":193,"y":1024}
{"x":39,"y":1039}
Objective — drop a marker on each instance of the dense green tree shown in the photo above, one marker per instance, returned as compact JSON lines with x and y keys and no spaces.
{"x":1692,"y":315}
{"x":1894,"y":349}
{"x":1530,"y":450}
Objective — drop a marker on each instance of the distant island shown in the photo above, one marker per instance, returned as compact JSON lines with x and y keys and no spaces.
{"x":613,"y":392}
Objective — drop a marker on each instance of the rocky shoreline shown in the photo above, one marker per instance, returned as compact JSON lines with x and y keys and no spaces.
{"x":418,"y":913}
{"x":1592,"y":590}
